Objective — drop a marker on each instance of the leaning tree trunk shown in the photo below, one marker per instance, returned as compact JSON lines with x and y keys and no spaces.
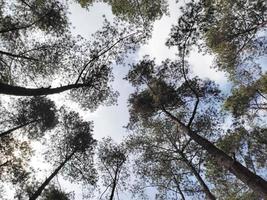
{"x":16,"y":128}
{"x":47,"y":181}
{"x":114,"y":184}
{"x":202,"y":183}
{"x":178,"y":187}
{"x":253,"y":181}
{"x":22,"y":91}
{"x":204,"y":186}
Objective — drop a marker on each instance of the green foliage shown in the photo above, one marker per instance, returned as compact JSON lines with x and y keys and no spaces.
{"x":162,"y":155}
{"x":15,"y":155}
{"x":85,"y":3}
{"x":233,"y":32}
{"x":175,"y":117}
{"x":247,"y":147}
{"x":246,"y":98}
{"x":73,"y":135}
{"x":166,"y":90}
{"x":238,"y":102}
{"x":113,"y":168}
{"x":53,"y":193}
{"x":133,"y":10}
{"x":146,"y":10}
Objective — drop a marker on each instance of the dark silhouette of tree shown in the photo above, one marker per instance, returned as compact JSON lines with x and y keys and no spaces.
{"x":40,"y":16}
{"x":112,"y":159}
{"x":72,"y":151}
{"x":168,"y":160}
{"x":137,"y":11}
{"x":158,"y":93}
{"x":235,"y":33}
{"x":230,"y":29}
{"x":180,"y":142}
{"x":14,"y":166}
{"x":36,"y":115}
{"x":22,"y":55}
{"x":53,"y":193}
{"x":29,"y":64}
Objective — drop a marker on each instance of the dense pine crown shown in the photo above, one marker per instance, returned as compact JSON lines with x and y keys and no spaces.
{"x":187,"y":137}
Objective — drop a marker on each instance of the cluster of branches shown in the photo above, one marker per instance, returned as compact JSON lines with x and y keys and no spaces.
{"x":178,"y":142}
{"x":178,"y":119}
{"x":39,"y":56}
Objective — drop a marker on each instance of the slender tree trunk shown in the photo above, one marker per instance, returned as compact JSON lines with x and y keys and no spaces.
{"x":16,"y":128}
{"x":196,"y":174}
{"x":22,"y":91}
{"x":114,"y":185}
{"x":181,"y":193}
{"x":205,"y":188}
{"x":253,"y":181}
{"x":194,"y":171}
{"x":47,"y":181}
{"x":178,"y":187}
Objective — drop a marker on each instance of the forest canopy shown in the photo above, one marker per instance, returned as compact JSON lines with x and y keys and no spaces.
{"x":185,"y":136}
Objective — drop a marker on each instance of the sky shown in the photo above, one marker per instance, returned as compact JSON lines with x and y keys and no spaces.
{"x":109,"y":121}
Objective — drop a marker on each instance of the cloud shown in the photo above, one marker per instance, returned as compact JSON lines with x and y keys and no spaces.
{"x":85,"y":21}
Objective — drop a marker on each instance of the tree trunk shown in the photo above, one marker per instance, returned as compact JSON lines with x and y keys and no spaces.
{"x":114,"y":185}
{"x":22,"y":91}
{"x":47,"y":181}
{"x":181,"y":193}
{"x":17,"y":55}
{"x":178,"y":187}
{"x":202,"y":183}
{"x":16,"y":128}
{"x":253,"y":181}
{"x":205,"y":188}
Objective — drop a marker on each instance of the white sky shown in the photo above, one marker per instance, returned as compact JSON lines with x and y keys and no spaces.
{"x":109,"y":121}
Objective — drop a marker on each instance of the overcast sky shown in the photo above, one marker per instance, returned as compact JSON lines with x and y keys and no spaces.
{"x":109,"y":121}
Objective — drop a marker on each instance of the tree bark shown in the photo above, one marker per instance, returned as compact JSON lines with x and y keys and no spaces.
{"x":22,"y":91}
{"x":114,"y":185}
{"x":47,"y":181}
{"x":205,"y":188}
{"x":194,"y":171}
{"x":17,"y":55}
{"x":253,"y":181}
{"x":178,"y":187}
{"x":16,"y":128}
{"x":181,"y":193}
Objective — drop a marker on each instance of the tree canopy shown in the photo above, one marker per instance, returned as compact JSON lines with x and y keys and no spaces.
{"x":187,"y":136}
